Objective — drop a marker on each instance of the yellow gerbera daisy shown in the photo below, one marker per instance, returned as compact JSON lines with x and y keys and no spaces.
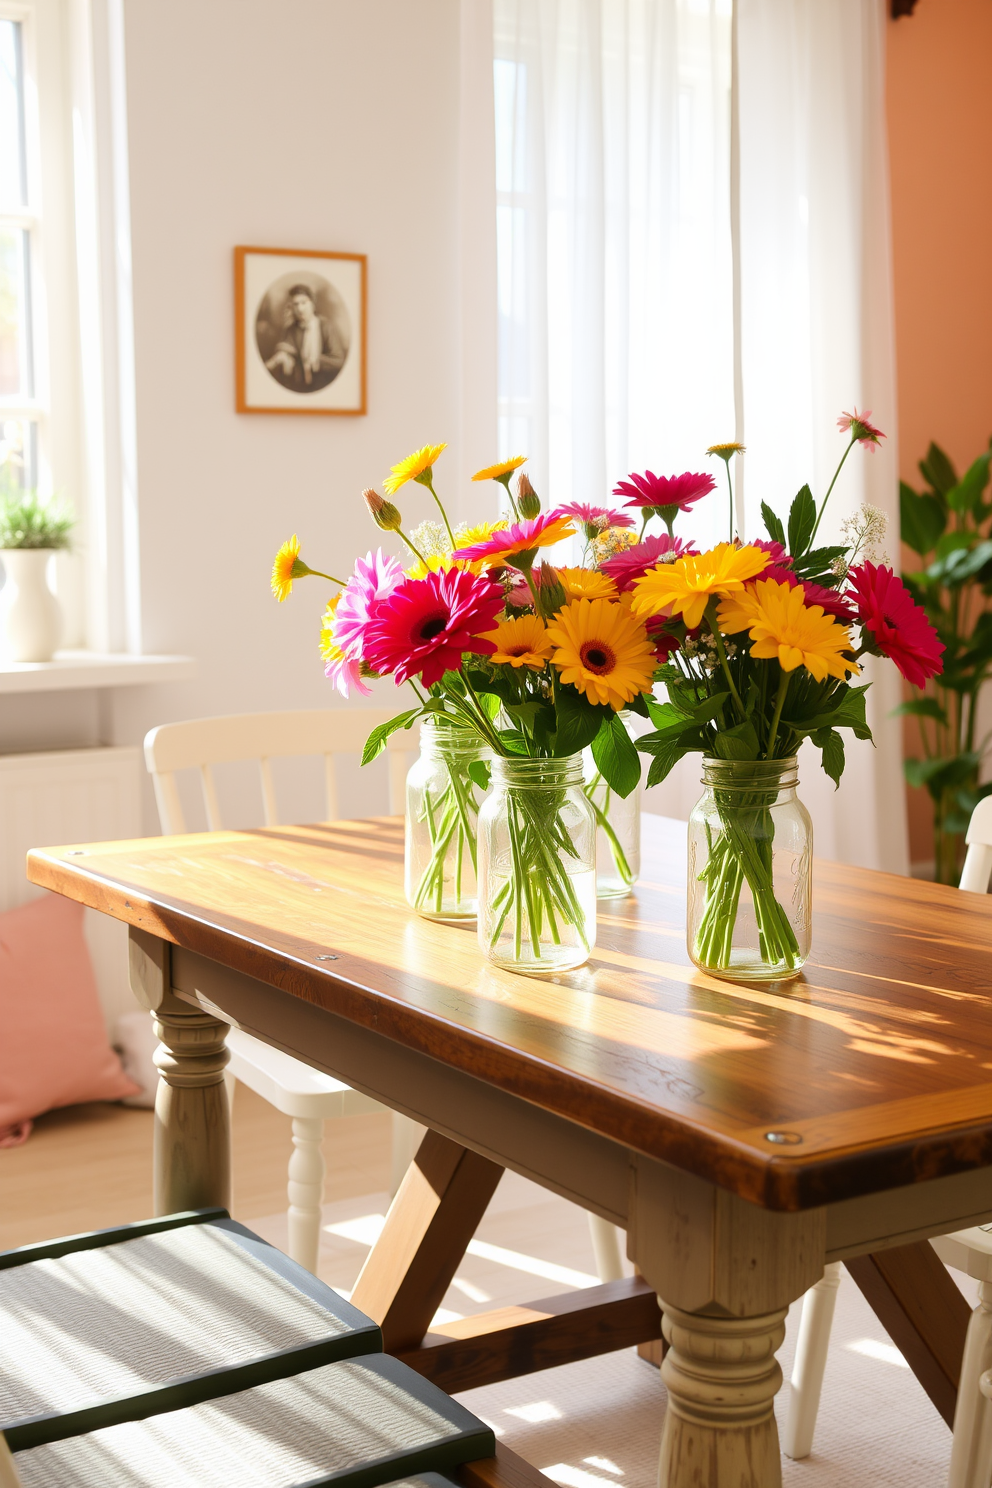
{"x":524,"y":641}
{"x":602,"y":650}
{"x":586,"y":583}
{"x":286,"y":567}
{"x":504,"y":468}
{"x":329,"y":649}
{"x":686,"y":586}
{"x":725,"y":451}
{"x":782,"y":626}
{"x":412,"y":468}
{"x":480,"y":532}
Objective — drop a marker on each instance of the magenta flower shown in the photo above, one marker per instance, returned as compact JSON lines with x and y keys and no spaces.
{"x":899,"y":626}
{"x":861,"y":428}
{"x":521,"y":541}
{"x":831,"y":602}
{"x":650,"y":490}
{"x":426,"y":625}
{"x":775,"y":551}
{"x":633,"y":563}
{"x":374,"y":578}
{"x":593,"y":516}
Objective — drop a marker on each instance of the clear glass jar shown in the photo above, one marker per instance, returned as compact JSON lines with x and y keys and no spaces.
{"x":750,"y":879}
{"x":442,"y":810}
{"x":618,"y":836}
{"x":537,"y":866}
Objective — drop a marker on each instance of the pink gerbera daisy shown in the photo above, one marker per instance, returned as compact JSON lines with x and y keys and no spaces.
{"x":861,"y":427}
{"x":375,"y":577}
{"x":593,"y":518}
{"x":656,"y":491}
{"x":345,"y":672}
{"x":899,"y":626}
{"x":425,"y":625}
{"x":630,"y":565}
{"x":518,"y":545}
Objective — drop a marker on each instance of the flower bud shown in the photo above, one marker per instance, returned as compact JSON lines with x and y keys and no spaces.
{"x":527,"y":498}
{"x":550,"y":589}
{"x":384,"y":514}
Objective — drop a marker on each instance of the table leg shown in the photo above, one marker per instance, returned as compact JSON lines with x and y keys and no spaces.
{"x":434,"y":1215}
{"x":191,"y":1157}
{"x":725,"y":1272}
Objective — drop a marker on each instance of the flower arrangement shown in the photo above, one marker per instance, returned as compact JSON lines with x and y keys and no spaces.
{"x":754,"y":643}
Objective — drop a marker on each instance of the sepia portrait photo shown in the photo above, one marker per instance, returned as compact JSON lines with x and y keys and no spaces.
{"x":300,"y":324}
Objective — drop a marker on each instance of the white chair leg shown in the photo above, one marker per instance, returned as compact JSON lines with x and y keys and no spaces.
{"x":606,"y":1249}
{"x":971,"y":1448}
{"x":306,"y":1190}
{"x":810,"y":1362}
{"x":407,"y":1137}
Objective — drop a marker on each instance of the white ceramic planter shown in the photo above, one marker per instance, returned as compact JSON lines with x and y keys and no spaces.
{"x":31,"y":614}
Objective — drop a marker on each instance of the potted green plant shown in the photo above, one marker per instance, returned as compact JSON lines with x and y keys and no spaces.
{"x":32,"y":530}
{"x":949,"y":524}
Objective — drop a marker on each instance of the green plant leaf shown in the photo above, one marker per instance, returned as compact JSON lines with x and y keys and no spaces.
{"x":578,"y":720}
{"x":739,"y":742}
{"x":481,"y":772}
{"x":938,"y":775}
{"x":376,"y":741}
{"x":831,"y":747}
{"x":664,"y":763}
{"x":773,"y":524}
{"x":802,"y":520}
{"x":938,"y":471}
{"x":615,"y":755}
{"x":922,"y":519}
{"x":923,"y":707}
{"x":816,"y":565}
{"x":967,"y":494}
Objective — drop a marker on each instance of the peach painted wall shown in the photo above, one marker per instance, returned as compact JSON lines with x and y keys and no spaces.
{"x":940,"y":148}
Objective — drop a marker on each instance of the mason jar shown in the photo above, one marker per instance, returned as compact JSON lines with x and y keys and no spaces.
{"x":750,"y":872}
{"x":442,"y":811}
{"x":537,"y":866}
{"x":618,"y":823}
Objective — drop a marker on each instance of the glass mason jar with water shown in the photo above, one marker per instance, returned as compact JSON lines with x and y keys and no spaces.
{"x":442,"y":810}
{"x":537,"y":866}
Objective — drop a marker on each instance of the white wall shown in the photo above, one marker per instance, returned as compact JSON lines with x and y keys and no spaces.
{"x":332,"y":124}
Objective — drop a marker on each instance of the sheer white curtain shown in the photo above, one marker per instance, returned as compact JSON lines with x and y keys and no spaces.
{"x":617,"y":338}
{"x":613,"y":231}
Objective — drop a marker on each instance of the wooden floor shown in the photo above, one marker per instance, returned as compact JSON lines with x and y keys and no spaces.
{"x":86,"y":1167}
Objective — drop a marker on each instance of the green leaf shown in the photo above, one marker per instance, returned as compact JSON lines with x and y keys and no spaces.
{"x":773,"y":524}
{"x":924,"y":707}
{"x":938,"y":775}
{"x":816,"y":564}
{"x":578,"y":721}
{"x":481,"y":772}
{"x":739,"y":742}
{"x":831,"y":746}
{"x":664,"y":763}
{"x":961,"y":563}
{"x":664,"y":715}
{"x":922,"y":519}
{"x":376,"y":741}
{"x":802,"y":520}
{"x":615,"y":755}
{"x":938,"y":470}
{"x":967,"y":494}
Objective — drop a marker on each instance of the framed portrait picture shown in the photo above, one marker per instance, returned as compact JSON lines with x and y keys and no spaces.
{"x":299,"y":330}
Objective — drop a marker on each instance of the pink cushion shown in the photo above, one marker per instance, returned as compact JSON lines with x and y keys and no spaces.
{"x":53,"y":1043}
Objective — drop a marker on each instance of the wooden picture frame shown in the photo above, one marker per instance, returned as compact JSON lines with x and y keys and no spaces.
{"x":302,"y":353}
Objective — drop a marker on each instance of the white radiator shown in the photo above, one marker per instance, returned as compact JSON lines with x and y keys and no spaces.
{"x":72,"y":795}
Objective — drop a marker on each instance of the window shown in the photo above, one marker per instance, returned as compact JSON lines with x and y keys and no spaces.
{"x":20,"y":411}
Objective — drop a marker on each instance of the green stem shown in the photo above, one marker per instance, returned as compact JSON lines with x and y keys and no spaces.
{"x":823,"y":504}
{"x":429,"y":483}
{"x":721,"y":652}
{"x":783,"y":687}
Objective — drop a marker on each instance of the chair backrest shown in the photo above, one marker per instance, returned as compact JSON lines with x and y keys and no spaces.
{"x":201,"y":743}
{"x":977,"y":870}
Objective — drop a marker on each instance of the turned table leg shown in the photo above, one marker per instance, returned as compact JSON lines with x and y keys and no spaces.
{"x":191,"y":1157}
{"x":722,"y":1377}
{"x":725,"y":1272}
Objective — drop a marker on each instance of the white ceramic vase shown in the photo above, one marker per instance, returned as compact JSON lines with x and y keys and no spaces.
{"x":31,"y":614}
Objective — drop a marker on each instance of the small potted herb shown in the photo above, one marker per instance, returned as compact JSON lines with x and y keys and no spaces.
{"x":32,"y":530}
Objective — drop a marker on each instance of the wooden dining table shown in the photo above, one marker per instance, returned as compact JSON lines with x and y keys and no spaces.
{"x":743,"y":1135}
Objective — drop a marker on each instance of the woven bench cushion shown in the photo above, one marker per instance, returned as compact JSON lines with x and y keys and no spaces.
{"x":157,"y":1320}
{"x":358,"y":1423}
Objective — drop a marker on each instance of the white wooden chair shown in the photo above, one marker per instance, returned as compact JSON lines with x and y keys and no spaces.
{"x":303,"y":1093}
{"x":966,"y":1250}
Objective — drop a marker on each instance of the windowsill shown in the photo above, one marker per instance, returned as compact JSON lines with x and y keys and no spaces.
{"x":74,"y":669}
